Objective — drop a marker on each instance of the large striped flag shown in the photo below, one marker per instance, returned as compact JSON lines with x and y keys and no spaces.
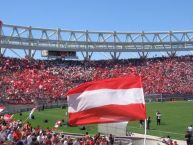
{"x":105,"y":101}
{"x":2,"y":107}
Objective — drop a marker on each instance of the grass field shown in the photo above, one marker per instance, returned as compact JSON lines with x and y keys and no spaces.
{"x":53,"y":115}
{"x":176,"y":116}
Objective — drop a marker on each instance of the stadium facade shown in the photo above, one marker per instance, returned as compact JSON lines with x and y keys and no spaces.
{"x":31,"y":40}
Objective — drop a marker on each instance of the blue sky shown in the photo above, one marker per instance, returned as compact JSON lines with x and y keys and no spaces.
{"x":100,"y":15}
{"x":119,"y":15}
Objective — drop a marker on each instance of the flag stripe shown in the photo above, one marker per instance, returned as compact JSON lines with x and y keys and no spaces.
{"x":2,"y":108}
{"x":32,"y":111}
{"x":105,"y":101}
{"x":102,"y":97}
{"x":114,"y":83}
{"x":109,"y":113}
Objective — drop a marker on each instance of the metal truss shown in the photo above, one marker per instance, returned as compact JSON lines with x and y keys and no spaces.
{"x":31,"y":39}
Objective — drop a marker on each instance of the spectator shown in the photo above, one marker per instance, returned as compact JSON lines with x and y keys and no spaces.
{"x":148,"y":122}
{"x":25,"y":81}
{"x":111,"y":139}
{"x":190,"y":129}
{"x":188,"y":138}
{"x":141,"y":123}
{"x":169,"y":140}
{"x":158,"y":117}
{"x":175,"y":143}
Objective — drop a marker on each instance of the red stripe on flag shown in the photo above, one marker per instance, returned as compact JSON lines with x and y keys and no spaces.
{"x":2,"y":108}
{"x":109,"y":113}
{"x":114,"y":83}
{"x":105,"y":101}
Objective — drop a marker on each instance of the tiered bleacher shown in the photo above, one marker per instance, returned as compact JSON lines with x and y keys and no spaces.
{"x":24,"y":80}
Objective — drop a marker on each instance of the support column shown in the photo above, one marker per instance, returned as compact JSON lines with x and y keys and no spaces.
{"x":0,"y":51}
{"x":114,"y":55}
{"x":30,"y":53}
{"x":171,"y":53}
{"x":1,"y":25}
{"x":143,"y":55}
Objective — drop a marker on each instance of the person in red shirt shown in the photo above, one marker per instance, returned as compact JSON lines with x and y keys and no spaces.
{"x":16,"y":135}
{"x":48,"y":140}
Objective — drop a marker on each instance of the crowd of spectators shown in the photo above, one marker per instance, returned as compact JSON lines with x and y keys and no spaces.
{"x":18,"y":133}
{"x":169,"y":141}
{"x":25,"y":80}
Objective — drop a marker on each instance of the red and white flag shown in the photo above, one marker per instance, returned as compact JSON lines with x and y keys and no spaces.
{"x":2,"y":108}
{"x":32,"y":111}
{"x":58,"y":124}
{"x":7,"y":117}
{"x":105,"y":101}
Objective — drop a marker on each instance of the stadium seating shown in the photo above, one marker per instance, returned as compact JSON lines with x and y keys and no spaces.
{"x":26,"y":80}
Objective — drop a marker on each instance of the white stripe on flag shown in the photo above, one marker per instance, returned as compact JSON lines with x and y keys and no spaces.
{"x":102,"y":97}
{"x":105,"y":101}
{"x":2,"y":108}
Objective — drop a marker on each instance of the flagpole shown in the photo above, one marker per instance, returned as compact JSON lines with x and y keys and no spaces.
{"x":12,"y":116}
{"x":144,"y":141}
{"x":67,"y":115}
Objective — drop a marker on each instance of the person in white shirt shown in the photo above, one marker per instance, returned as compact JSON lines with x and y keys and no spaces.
{"x":76,"y":142}
{"x":29,"y":139}
{"x":190,"y":129}
{"x":10,"y":136}
{"x":40,"y":138}
{"x":65,"y":142}
{"x":158,"y":117}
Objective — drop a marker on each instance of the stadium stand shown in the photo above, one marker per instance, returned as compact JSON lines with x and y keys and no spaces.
{"x":23,"y":81}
